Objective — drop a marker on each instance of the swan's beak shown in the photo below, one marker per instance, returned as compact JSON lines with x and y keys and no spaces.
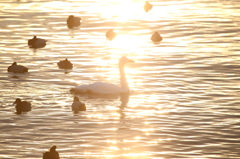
{"x":130,"y":61}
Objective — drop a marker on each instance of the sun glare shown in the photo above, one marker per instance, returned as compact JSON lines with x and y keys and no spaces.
{"x":122,"y":11}
{"x":128,"y":42}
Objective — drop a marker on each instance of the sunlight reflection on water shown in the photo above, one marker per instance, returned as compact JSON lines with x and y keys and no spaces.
{"x":184,"y":90}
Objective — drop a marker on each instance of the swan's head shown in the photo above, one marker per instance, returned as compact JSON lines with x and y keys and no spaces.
{"x":123,"y":60}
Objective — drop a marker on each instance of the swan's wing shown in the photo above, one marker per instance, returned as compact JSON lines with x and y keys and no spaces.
{"x":101,"y":88}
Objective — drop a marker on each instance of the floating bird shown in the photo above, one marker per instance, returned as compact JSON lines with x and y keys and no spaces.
{"x":110,"y":34}
{"x":77,"y":105}
{"x":156,"y":37}
{"x":65,"y":64}
{"x":36,"y":42}
{"x":73,"y":21}
{"x":106,"y":88}
{"x":51,"y":154}
{"x":22,"y":106}
{"x":15,"y":68}
{"x":147,"y":6}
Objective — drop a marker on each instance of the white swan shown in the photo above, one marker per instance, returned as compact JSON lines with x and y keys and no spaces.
{"x":104,"y":87}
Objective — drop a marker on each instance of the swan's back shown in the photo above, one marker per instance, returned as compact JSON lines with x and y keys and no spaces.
{"x":100,"y":88}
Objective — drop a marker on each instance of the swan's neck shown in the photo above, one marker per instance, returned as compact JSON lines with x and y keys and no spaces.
{"x":123,"y":80}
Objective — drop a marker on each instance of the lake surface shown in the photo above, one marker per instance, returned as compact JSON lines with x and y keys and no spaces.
{"x":185,"y":95}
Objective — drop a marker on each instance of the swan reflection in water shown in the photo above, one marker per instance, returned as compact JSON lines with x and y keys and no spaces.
{"x":124,"y":98}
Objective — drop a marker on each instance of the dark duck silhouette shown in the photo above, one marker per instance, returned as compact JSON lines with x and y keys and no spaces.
{"x":15,"y":68}
{"x":36,"y":42}
{"x":147,"y":6}
{"x":22,"y":106}
{"x":156,"y":37}
{"x":65,"y":64}
{"x":110,"y":34}
{"x":51,"y":154}
{"x":77,"y":105}
{"x":73,"y":21}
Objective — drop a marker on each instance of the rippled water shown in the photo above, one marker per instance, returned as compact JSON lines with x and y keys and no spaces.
{"x":185,"y":90}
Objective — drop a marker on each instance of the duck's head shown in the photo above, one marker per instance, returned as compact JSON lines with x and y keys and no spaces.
{"x":17,"y":101}
{"x":75,"y":99}
{"x":71,"y":17}
{"x":124,"y":60}
{"x":53,"y":148}
{"x":14,"y":63}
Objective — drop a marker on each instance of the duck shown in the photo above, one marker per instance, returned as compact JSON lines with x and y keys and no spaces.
{"x":36,"y":42}
{"x":147,"y":6}
{"x":73,"y":21}
{"x":110,"y":34}
{"x":51,"y":154}
{"x":15,"y":68}
{"x":65,"y":64}
{"x":104,"y":88}
{"x":22,"y":106}
{"x":77,"y":105}
{"x":156,"y":37}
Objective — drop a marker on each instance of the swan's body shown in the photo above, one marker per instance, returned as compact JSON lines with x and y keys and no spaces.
{"x":36,"y":42}
{"x":65,"y":64}
{"x":110,"y":34}
{"x":51,"y":154}
{"x":147,"y":6}
{"x":104,"y":87}
{"x":77,"y":105}
{"x":15,"y":68}
{"x":22,"y":106}
{"x":156,"y":37}
{"x":73,"y":21}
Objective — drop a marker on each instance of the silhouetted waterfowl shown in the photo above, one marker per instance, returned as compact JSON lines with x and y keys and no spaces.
{"x":156,"y":37}
{"x":36,"y":42}
{"x":77,"y":105}
{"x":147,"y":6}
{"x":22,"y":106}
{"x":51,"y":154}
{"x":107,"y":88}
{"x":15,"y":68}
{"x":73,"y":21}
{"x":65,"y":64}
{"x":110,"y":34}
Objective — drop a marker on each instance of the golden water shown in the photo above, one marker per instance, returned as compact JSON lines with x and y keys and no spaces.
{"x":185,"y":90}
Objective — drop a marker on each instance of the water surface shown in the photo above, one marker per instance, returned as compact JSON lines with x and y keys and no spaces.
{"x":184,"y":91}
